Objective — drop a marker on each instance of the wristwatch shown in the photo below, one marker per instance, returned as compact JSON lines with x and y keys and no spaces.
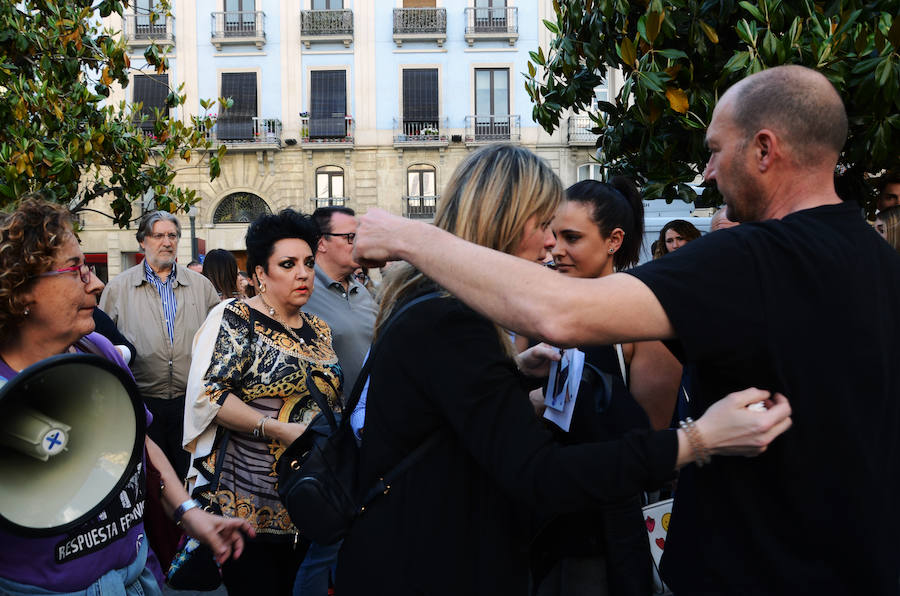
{"x":184,"y":508}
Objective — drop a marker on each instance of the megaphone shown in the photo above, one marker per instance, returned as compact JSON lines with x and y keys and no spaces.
{"x":71,"y":436}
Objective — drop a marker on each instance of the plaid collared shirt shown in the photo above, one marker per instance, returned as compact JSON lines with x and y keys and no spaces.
{"x":166,"y":294}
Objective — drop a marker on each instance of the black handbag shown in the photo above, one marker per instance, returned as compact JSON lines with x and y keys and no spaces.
{"x":194,"y":566}
{"x":317,"y":473}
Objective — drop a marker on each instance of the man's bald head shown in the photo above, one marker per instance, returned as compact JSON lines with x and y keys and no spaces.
{"x":798,"y":104}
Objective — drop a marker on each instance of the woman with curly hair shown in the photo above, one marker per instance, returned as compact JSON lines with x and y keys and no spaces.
{"x":47,"y":299}
{"x":256,"y":366}
{"x":674,"y":235}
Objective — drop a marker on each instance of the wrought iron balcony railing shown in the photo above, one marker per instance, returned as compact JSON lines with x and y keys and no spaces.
{"x":326,"y":26}
{"x":421,"y":133}
{"x":326,"y":131}
{"x":487,"y":129}
{"x":140,"y":31}
{"x":496,"y":23}
{"x":420,"y":24}
{"x":420,"y":207}
{"x":239,"y":27}
{"x":580,"y":133}
{"x":329,"y":202}
{"x":247,"y":133}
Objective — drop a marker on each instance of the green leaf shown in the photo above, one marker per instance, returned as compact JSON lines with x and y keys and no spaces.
{"x":753,"y":11}
{"x":883,"y":72}
{"x":738,"y":61}
{"x":551,"y":26}
{"x":672,"y":54}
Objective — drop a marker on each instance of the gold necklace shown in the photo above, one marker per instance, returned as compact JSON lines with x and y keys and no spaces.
{"x":274,"y":314}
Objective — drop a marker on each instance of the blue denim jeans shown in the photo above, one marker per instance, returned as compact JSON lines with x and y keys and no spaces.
{"x":312,"y":577}
{"x":134,"y":580}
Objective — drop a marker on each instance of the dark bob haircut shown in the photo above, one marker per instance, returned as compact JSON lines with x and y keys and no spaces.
{"x":269,"y":229}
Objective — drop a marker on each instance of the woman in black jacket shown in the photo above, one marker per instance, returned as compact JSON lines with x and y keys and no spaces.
{"x":460,"y":520}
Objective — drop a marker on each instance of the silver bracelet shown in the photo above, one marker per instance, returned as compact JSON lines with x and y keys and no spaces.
{"x":184,"y":508}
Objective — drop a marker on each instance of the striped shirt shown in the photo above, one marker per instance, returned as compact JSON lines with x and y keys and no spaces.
{"x":166,"y":294}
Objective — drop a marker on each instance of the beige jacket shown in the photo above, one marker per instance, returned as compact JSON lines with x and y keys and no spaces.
{"x":160,"y":368}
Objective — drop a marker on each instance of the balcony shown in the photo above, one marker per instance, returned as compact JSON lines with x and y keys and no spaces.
{"x":490,"y":129}
{"x":420,"y":133}
{"x":580,"y":131}
{"x":499,"y":23}
{"x":334,"y":132}
{"x":317,"y":26}
{"x":328,"y":202}
{"x":140,"y":32}
{"x":420,"y":24}
{"x":239,"y":28}
{"x":420,"y":207}
{"x":246,"y":134}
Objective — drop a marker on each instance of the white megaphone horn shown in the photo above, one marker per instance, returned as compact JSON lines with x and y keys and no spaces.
{"x":71,"y":436}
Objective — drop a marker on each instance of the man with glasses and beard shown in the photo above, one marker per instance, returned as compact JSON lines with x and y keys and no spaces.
{"x":159,"y":306}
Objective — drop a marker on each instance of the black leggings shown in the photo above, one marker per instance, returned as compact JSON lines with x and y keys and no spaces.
{"x":264,"y":568}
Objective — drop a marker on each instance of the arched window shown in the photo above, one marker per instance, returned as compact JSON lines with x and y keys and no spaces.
{"x":330,"y":186}
{"x":590,"y":171}
{"x":240,"y":207}
{"x":421,"y":198}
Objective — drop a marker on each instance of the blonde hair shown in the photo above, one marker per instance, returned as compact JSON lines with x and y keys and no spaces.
{"x":487,"y":201}
{"x":890,"y":217}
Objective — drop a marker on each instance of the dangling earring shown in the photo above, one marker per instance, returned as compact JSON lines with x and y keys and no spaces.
{"x":262,"y":287}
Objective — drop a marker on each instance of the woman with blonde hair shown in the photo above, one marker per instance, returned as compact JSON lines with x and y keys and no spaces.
{"x":459,"y":520}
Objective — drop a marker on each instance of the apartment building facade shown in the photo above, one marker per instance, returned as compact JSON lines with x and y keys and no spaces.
{"x":361,"y":103}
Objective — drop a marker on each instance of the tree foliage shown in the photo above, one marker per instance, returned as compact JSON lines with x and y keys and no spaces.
{"x":58,"y":132}
{"x":678,"y":57}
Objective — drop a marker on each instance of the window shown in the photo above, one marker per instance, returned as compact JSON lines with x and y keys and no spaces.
{"x":329,"y":186}
{"x":590,"y":171}
{"x":144,"y":27}
{"x":420,"y":101}
{"x":240,"y":18}
{"x":490,"y":15}
{"x":328,"y":4}
{"x":492,"y":102}
{"x":236,"y":123}
{"x":240,"y":207}
{"x":420,"y":187}
{"x":328,"y":104}
{"x":151,"y":91}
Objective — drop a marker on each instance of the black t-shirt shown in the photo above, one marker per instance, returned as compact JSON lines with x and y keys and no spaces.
{"x":807,"y":305}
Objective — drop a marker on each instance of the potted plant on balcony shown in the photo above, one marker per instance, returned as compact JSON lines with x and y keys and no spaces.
{"x":304,"y":126}
{"x":429,"y":131}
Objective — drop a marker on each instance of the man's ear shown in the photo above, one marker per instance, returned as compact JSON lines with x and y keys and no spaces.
{"x":320,"y":246}
{"x":765,"y":146}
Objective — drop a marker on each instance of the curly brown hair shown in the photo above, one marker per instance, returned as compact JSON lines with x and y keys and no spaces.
{"x":30,"y":237}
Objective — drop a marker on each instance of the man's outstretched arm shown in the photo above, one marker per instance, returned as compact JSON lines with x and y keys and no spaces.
{"x":519,"y":295}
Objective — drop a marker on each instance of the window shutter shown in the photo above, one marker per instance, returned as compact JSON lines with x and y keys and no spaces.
{"x":420,"y":94}
{"x":236,"y":123}
{"x":151,"y":90}
{"x":328,"y":104}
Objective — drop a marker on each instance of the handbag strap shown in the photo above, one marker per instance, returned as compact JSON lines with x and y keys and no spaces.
{"x":322,"y":401}
{"x":364,"y":372}
{"x":383,"y":485}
